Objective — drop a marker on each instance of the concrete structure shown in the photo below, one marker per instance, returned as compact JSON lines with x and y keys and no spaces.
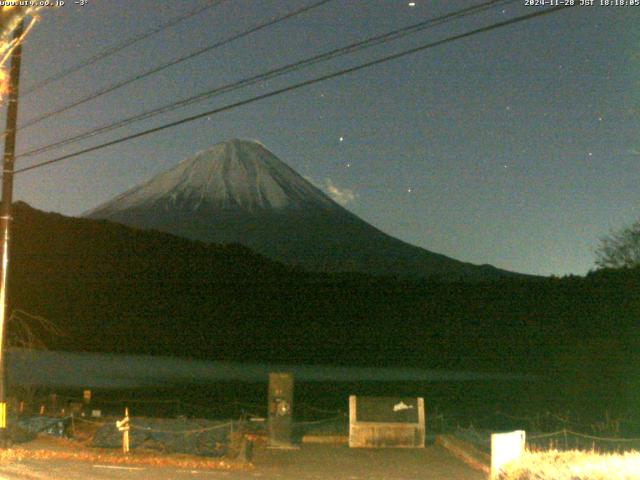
{"x":383,"y":422}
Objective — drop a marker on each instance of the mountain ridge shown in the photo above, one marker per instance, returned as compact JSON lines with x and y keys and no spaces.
{"x":114,"y":289}
{"x":239,"y":192}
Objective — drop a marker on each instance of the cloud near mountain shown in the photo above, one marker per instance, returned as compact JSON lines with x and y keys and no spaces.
{"x":343,"y":196}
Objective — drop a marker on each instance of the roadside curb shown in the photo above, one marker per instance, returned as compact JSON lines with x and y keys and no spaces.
{"x":328,"y":439}
{"x":466,"y":452}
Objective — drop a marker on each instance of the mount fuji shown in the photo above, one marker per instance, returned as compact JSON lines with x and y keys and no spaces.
{"x":239,"y":192}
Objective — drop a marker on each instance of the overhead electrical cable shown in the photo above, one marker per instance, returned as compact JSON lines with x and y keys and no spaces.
{"x":298,"y":65}
{"x":164,"y":66}
{"x":120,"y":46}
{"x":297,"y":86}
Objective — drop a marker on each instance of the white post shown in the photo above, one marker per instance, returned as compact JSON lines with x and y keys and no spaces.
{"x":421,"y":422}
{"x":125,"y":433}
{"x":352,"y":420}
{"x":123,"y":426}
{"x":505,"y":447}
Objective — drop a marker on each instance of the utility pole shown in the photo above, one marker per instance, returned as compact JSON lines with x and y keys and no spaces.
{"x":5,"y":216}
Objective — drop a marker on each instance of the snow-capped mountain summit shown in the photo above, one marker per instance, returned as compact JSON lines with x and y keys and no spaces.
{"x":239,"y":192}
{"x":235,"y":175}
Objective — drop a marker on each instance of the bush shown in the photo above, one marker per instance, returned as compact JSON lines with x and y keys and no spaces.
{"x":574,"y":465}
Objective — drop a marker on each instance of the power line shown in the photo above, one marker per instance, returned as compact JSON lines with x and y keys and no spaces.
{"x":354,"y":47}
{"x":297,"y":86}
{"x":372,"y":41}
{"x":117,"y":85}
{"x":121,"y":46}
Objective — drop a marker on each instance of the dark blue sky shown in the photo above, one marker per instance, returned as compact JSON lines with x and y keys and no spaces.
{"x":519,"y":147}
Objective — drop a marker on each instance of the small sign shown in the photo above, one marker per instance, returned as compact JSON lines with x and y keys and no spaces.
{"x":86,"y":396}
{"x":96,"y":413}
{"x":123,"y":425}
{"x":387,"y":409}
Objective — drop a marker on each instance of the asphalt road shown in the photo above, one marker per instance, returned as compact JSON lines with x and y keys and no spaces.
{"x":311,"y":462}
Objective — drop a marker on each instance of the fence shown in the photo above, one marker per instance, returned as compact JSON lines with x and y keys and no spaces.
{"x":569,"y":440}
{"x":166,"y":424}
{"x":608,"y":435}
{"x":564,"y":439}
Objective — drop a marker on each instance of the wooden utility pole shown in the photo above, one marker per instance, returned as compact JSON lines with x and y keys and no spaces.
{"x":5,"y":216}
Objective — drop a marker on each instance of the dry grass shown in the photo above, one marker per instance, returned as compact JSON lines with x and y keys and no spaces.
{"x":47,"y":448}
{"x":574,"y":465}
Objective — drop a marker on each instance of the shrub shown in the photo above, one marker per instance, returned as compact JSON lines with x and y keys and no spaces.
{"x":574,"y":465}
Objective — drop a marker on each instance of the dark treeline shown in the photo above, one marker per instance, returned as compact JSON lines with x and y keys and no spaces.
{"x":114,"y":289}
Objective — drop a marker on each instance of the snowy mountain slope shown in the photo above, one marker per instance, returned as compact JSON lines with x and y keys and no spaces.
{"x":239,"y":192}
{"x":232,"y":176}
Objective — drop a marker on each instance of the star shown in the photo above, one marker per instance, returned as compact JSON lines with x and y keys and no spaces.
{"x":599,"y":119}
{"x":348,"y":165}
{"x":341,"y":139}
{"x":412,"y":4}
{"x":409,"y":190}
{"x":591,"y":154}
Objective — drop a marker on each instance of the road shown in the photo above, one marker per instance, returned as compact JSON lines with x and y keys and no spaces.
{"x":310,"y":462}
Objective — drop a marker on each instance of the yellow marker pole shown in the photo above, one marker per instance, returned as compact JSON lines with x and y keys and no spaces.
{"x":123,"y":426}
{"x":125,"y":437}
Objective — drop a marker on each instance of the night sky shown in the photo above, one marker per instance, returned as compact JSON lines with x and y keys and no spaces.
{"x":519,"y":147}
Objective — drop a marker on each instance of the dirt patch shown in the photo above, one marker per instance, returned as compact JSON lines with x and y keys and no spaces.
{"x":50,"y":448}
